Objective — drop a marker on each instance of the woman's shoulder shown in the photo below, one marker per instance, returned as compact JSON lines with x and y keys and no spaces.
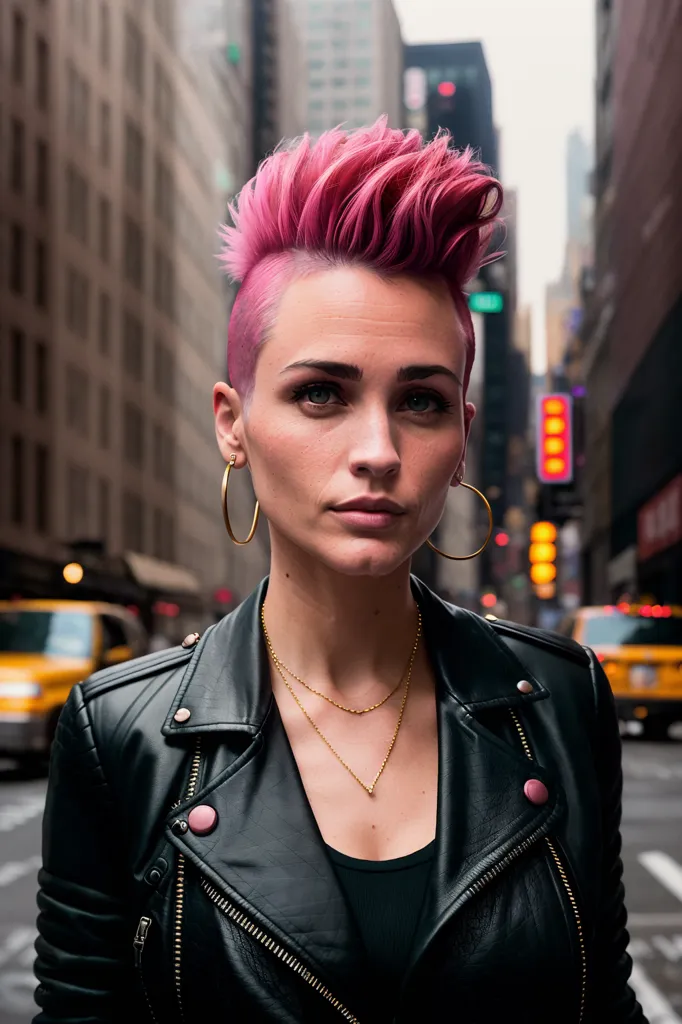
{"x":544,"y":639}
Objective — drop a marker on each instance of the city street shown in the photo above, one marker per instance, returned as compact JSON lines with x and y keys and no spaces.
{"x":652,"y":835}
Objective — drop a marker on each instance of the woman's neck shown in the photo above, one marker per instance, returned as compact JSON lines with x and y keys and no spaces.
{"x":340,"y":633}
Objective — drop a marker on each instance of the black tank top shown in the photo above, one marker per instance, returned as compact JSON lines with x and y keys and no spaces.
{"x":386,"y":898}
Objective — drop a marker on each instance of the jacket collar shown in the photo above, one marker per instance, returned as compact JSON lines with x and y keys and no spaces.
{"x":267,"y":854}
{"x":226,"y":686}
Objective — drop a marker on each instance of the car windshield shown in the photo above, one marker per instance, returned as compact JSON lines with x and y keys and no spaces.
{"x":56,"y":634}
{"x":631,"y":630}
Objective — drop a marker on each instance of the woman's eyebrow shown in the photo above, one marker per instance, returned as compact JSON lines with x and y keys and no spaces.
{"x":422,"y":372}
{"x":345,"y":371}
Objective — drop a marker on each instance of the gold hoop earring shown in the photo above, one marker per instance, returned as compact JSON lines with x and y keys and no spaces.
{"x":465,"y":558}
{"x":226,"y":516}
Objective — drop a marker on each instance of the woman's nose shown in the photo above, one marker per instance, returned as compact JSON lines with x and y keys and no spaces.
{"x":373,"y":450}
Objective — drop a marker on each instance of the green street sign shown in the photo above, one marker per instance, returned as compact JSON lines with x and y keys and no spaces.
{"x":486,"y":302}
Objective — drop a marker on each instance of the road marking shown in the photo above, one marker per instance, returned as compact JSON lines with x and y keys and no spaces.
{"x":662,"y":920}
{"x":15,"y":869}
{"x":17,"y":940}
{"x":644,"y":770}
{"x":14,"y":815}
{"x":656,"y":1007}
{"x":664,"y":869}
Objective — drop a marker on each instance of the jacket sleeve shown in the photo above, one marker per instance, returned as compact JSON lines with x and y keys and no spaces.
{"x":611,"y":997}
{"x":84,"y":944}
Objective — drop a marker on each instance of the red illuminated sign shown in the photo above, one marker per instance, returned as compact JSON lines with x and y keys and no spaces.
{"x":446,"y":88}
{"x":659,"y":522}
{"x":554,"y":439}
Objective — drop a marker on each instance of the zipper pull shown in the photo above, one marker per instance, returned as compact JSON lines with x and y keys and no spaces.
{"x":141,"y":938}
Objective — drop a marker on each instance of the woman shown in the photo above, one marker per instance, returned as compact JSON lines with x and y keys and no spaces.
{"x":348,"y":800}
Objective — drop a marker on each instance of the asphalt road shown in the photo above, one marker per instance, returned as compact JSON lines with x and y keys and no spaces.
{"x":652,"y":853}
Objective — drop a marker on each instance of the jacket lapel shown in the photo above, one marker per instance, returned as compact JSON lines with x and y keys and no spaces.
{"x":266,"y":854}
{"x":484,"y":816}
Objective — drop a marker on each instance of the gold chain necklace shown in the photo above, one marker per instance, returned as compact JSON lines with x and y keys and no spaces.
{"x":342,"y":707}
{"x":368,"y":788}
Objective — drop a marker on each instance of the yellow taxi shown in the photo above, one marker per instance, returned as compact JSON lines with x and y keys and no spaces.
{"x":640,"y":649}
{"x":45,"y":648}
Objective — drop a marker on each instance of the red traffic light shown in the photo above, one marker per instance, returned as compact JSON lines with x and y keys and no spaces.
{"x":502,"y":539}
{"x":447,"y":88}
{"x":489,"y":600}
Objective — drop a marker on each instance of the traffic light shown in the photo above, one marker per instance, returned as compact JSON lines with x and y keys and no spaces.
{"x":542,"y":557}
{"x":554,"y":440}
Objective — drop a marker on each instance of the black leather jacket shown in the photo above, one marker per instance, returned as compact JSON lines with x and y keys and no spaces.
{"x":142,"y":919}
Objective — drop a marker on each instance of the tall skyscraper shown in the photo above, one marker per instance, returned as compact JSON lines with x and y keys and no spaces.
{"x":354,"y":58}
{"x":127,"y":136}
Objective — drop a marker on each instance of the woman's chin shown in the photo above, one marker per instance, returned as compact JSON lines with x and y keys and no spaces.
{"x":365,"y":557}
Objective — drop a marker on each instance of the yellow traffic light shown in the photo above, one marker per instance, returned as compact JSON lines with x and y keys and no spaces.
{"x":542,"y":552}
{"x":543,"y":572}
{"x":540,"y":532}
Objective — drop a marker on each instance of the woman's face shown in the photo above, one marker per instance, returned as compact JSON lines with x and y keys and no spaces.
{"x":357,"y":424}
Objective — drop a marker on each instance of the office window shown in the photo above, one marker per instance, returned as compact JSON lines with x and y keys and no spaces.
{"x":17,"y":370}
{"x":362,"y":81}
{"x":104,"y":229}
{"x":103,"y":505}
{"x":134,"y":156}
{"x":164,"y":192}
{"x":133,"y":434}
{"x":133,"y":346}
{"x":78,"y":501}
{"x":134,"y":56}
{"x":41,"y":275}
{"x":78,"y":105}
{"x":17,"y":160}
{"x":42,"y":489}
{"x":77,"y":400}
{"x":17,"y":480}
{"x":163,"y":455}
{"x":42,"y":174}
{"x":42,"y":73}
{"x":316,"y":65}
{"x":104,"y":416}
{"x":362,"y":101}
{"x":77,"y":204}
{"x":133,"y":522}
{"x":18,"y":47}
{"x":77,"y":302}
{"x":164,"y":371}
{"x":104,"y":133}
{"x":339,"y":83}
{"x":104,"y":35}
{"x":104,"y":323}
{"x":133,"y":253}
{"x":17,"y":258}
{"x":41,"y":378}
{"x":316,"y":105}
{"x":164,"y":283}
{"x":163,"y":535}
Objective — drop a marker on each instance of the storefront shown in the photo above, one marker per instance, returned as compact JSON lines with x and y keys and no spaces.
{"x":659,"y":545}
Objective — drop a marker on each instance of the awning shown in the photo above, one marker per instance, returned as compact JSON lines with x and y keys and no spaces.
{"x":155,"y":574}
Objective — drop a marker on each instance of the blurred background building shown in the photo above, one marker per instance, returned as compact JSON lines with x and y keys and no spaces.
{"x":632,"y":541}
{"x":354,"y":59}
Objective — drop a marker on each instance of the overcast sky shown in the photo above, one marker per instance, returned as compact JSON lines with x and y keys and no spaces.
{"x":540,"y":55}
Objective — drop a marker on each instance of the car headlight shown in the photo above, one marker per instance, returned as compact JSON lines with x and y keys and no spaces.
{"x":20,"y":688}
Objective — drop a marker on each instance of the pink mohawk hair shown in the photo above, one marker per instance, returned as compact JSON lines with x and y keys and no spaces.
{"x":376,"y":197}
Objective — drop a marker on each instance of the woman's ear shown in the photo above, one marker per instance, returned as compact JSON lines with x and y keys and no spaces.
{"x":229,"y":423}
{"x":469,"y":413}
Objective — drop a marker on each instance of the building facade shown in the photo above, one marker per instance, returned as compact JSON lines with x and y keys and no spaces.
{"x":122,"y":156}
{"x":633,"y":358}
{"x":354,"y":56}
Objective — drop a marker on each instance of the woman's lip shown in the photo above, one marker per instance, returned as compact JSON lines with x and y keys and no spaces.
{"x":365,"y":519}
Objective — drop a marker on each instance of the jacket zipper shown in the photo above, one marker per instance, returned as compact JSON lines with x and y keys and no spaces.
{"x":565,"y":882}
{"x":138,"y":946}
{"x":288,"y":959}
{"x":180,"y":885}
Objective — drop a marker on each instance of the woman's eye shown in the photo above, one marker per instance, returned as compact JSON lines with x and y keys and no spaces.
{"x":319,"y":395}
{"x":422,"y":401}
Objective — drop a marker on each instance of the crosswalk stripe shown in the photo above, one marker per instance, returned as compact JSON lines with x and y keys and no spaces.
{"x":14,"y":815}
{"x":664,"y":869}
{"x":15,"y":869}
{"x":656,"y":1007}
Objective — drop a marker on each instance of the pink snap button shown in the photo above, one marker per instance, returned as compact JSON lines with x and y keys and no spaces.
{"x":202,"y":819}
{"x":534,"y":790}
{"x":523,"y":686}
